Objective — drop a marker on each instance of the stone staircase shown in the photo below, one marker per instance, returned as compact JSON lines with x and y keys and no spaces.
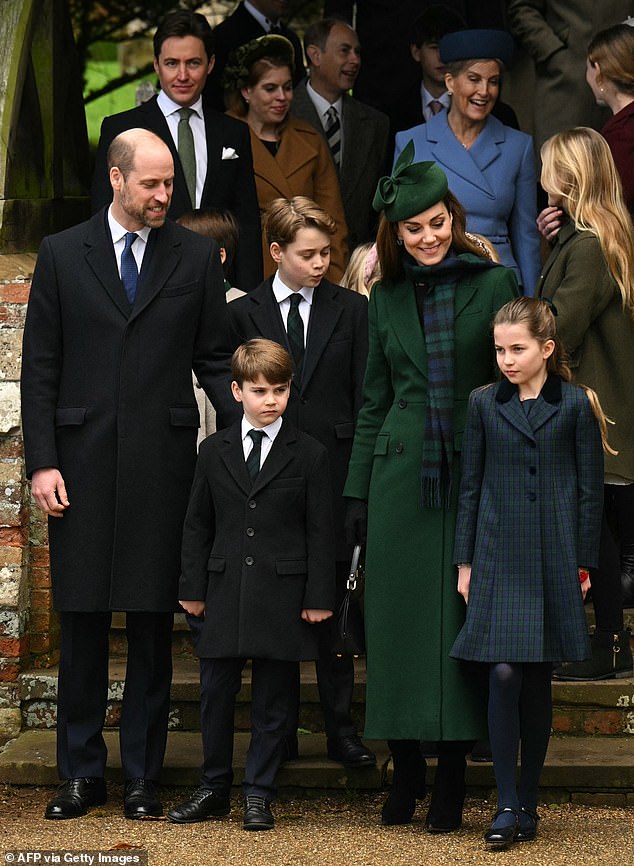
{"x":591,"y":755}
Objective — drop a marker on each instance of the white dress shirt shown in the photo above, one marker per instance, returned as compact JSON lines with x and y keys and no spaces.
{"x":283,"y":297}
{"x":270,"y":432}
{"x":118,"y":233}
{"x":197,"y":125}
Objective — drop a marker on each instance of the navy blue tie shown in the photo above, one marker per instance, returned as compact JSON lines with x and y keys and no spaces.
{"x":129,"y":269}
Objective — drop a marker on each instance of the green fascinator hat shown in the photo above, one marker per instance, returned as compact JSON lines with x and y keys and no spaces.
{"x":236,"y":72}
{"x":411,"y":188}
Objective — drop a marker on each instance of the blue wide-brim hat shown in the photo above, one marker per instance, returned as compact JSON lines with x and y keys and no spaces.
{"x":411,"y":188}
{"x":477,"y":45}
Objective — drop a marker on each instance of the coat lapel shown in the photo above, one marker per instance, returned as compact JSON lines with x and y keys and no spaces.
{"x":324,"y":315}
{"x":447,"y":151}
{"x":281,"y":453}
{"x":232,"y":455}
{"x":565,"y":234}
{"x":547,"y":404}
{"x":214,"y":153}
{"x":101,"y":259}
{"x":265,"y":314}
{"x":162,"y":256}
{"x":405,"y":323}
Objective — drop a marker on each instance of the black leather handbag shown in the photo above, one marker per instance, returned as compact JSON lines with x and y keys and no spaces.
{"x":350,"y":626}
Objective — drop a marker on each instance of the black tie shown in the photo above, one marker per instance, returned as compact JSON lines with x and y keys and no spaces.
{"x":129,"y":269}
{"x":253,"y":459}
{"x":295,"y":331}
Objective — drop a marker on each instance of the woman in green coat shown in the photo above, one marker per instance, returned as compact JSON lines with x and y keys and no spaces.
{"x":430,"y":346}
{"x":589,"y":277}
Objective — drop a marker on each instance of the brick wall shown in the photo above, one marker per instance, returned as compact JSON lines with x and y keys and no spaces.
{"x":28,"y":631}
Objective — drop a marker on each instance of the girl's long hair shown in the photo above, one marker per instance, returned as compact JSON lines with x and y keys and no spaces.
{"x":578,"y":167}
{"x":539,"y":320}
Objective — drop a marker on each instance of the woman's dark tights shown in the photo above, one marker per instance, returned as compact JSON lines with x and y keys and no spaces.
{"x":520,"y":710}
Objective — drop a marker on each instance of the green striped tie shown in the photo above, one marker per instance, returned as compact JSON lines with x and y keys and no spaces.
{"x":186,"y":151}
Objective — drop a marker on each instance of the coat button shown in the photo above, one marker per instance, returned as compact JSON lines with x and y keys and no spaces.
{"x":532,"y":443}
{"x":400,"y":448}
{"x":402,"y":404}
{"x":531,"y":497}
{"x":249,"y":560}
{"x":250,"y":531}
{"x":532,"y":470}
{"x":252,"y":503}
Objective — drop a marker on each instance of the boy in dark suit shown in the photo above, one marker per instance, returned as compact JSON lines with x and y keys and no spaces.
{"x":257,"y":573}
{"x":326,"y":328}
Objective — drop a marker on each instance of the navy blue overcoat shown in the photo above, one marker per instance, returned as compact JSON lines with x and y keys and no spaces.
{"x":529,"y":514}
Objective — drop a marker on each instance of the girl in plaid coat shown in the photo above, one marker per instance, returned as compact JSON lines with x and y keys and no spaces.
{"x":528,"y":524}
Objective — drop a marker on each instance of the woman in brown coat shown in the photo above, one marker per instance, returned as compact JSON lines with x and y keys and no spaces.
{"x":589,"y":277}
{"x":290,"y":157}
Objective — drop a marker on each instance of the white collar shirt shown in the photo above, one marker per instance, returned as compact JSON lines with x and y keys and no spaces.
{"x":283,"y":297}
{"x":170,"y":110}
{"x":270,"y":432}
{"x":118,"y":233}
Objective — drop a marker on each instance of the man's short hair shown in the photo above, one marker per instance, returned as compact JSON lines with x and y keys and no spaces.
{"x":260,"y":357}
{"x":183,"y":23}
{"x":318,"y":32}
{"x":432,"y":24}
{"x":284,"y":217}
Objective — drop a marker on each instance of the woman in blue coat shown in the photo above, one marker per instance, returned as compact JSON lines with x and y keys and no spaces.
{"x":490,"y":167}
{"x":527,"y":530}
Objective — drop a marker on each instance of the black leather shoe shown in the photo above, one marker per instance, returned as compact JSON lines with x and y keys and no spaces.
{"x":141,"y":800}
{"x":74,"y":797}
{"x":499,"y":837}
{"x":350,"y":752}
{"x":202,"y":804}
{"x":257,"y":813}
{"x":528,"y":825}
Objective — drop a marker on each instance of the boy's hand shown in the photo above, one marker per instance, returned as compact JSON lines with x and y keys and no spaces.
{"x":195,"y":608}
{"x":312,"y":615}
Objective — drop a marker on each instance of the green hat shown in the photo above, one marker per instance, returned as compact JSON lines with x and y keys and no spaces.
{"x":236,"y":72}
{"x":411,"y":188}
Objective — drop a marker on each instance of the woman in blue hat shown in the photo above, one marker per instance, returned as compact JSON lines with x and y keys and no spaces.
{"x":430,"y":346}
{"x":490,"y":167}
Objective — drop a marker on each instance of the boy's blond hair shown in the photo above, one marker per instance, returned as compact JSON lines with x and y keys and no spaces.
{"x":284,"y":217}
{"x":260,"y":357}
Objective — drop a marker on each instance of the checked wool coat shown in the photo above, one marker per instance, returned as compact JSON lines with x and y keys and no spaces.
{"x":529,"y":515}
{"x":413,"y":611}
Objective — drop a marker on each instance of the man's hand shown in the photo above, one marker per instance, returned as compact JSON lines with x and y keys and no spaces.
{"x":49,"y":491}
{"x":313,"y":615}
{"x":195,"y":608}
{"x":549,"y":222}
{"x":464,"y":580}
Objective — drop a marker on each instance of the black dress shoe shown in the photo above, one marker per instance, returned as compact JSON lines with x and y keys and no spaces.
{"x":528,"y":825}
{"x":202,"y":804}
{"x":257,"y":813}
{"x":74,"y":797}
{"x":501,"y":836}
{"x":141,"y":800}
{"x":350,"y":752}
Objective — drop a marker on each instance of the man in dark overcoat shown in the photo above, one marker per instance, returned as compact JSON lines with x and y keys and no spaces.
{"x":122,"y":308}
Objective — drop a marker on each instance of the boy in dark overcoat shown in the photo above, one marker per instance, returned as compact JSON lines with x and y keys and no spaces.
{"x":257,"y":574}
{"x":330,"y":350}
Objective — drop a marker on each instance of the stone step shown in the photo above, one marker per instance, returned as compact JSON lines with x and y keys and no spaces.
{"x":600,"y":767}
{"x":580,"y":709}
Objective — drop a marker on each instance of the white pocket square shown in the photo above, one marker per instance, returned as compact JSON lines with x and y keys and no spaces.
{"x":229,"y":153}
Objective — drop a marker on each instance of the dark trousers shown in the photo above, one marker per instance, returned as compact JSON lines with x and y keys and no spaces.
{"x":335,"y":674}
{"x":82,"y":694}
{"x":271,"y":707}
{"x":617,"y":530}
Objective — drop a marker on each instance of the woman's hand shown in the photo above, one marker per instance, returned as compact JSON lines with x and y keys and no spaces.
{"x":585,"y":584}
{"x":549,"y":222}
{"x":464,"y":580}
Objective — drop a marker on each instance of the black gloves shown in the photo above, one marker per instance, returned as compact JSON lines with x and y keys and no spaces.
{"x":356,"y":522}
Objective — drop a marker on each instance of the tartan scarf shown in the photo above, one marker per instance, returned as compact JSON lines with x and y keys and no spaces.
{"x":438,"y":331}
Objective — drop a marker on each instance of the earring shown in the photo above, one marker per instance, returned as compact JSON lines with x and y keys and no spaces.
{"x":399,"y":241}
{"x":450,"y":92}
{"x":246,"y":99}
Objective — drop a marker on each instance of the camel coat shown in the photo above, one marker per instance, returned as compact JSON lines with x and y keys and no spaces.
{"x":302,"y":166}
